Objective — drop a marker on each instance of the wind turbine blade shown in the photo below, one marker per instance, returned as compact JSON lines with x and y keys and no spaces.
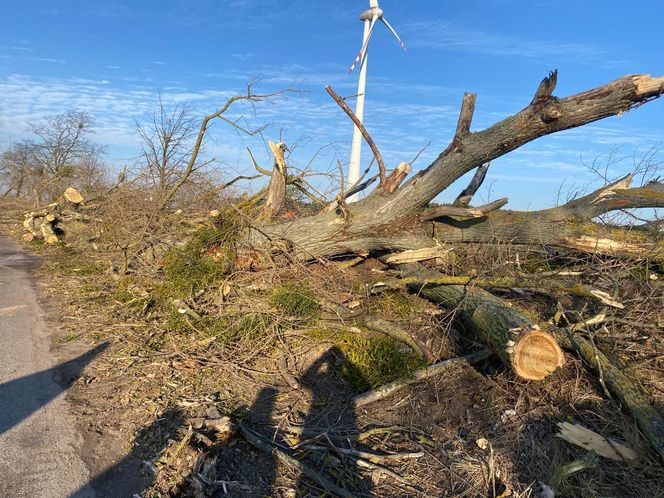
{"x":363,"y":51}
{"x":389,"y":26}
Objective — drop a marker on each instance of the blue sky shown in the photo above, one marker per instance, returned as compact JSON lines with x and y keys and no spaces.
{"x":111,"y":58}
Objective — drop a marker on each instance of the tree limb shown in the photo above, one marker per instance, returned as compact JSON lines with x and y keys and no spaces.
{"x":466,"y":195}
{"x":363,"y":130}
{"x":464,"y":212}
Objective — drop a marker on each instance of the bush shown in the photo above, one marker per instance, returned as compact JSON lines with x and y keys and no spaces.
{"x":207,"y":257}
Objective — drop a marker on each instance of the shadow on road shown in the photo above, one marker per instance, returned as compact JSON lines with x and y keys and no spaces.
{"x":20,"y":398}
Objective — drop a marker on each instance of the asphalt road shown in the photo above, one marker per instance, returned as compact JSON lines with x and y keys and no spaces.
{"x":39,"y":444}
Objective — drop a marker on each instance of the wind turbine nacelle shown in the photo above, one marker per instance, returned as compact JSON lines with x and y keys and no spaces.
{"x":369,"y":14}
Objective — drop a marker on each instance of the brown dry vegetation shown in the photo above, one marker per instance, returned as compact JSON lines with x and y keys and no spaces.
{"x":165,"y":368}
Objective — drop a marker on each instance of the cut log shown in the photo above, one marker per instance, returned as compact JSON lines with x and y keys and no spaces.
{"x":531,"y":353}
{"x":49,"y":235}
{"x":73,"y":195}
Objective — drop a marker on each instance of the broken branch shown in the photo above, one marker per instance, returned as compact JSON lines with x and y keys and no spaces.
{"x":417,"y":376}
{"x":464,"y":212}
{"x":379,"y":159}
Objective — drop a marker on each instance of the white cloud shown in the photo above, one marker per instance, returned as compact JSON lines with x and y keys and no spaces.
{"x":50,"y":60}
{"x":310,"y":118}
{"x":447,"y":35}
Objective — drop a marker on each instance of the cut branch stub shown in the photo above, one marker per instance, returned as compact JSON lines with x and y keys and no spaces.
{"x":276,"y":192}
{"x":467,"y":194}
{"x":546,"y":87}
{"x":466,"y":114}
{"x":396,"y":177}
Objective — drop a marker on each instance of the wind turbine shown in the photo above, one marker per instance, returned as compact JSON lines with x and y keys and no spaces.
{"x":370,"y":16}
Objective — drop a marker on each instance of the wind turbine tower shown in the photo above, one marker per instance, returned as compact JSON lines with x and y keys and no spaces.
{"x":370,"y":16}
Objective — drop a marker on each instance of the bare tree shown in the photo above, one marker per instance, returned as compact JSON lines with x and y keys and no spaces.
{"x":61,"y":153}
{"x":15,"y":169}
{"x":167,"y":141}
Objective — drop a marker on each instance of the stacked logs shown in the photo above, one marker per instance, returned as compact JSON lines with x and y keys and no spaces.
{"x":43,"y":223}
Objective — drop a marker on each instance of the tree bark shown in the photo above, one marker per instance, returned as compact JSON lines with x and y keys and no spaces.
{"x":568,"y":226}
{"x":385,"y":221}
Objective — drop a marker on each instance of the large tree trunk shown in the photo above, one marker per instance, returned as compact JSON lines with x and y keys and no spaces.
{"x":392,"y":221}
{"x":568,"y":226}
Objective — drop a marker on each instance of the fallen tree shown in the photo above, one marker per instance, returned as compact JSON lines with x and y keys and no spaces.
{"x":396,"y":219}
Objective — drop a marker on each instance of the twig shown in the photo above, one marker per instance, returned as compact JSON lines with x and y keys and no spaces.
{"x":223,"y":484}
{"x":342,"y":187}
{"x":387,"y":472}
{"x":288,"y":377}
{"x":419,"y":153}
{"x":266,"y":447}
{"x":365,"y":455}
{"x":399,"y":334}
{"x":258,"y":168}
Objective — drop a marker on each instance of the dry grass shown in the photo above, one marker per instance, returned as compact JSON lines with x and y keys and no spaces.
{"x":166,"y":366}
